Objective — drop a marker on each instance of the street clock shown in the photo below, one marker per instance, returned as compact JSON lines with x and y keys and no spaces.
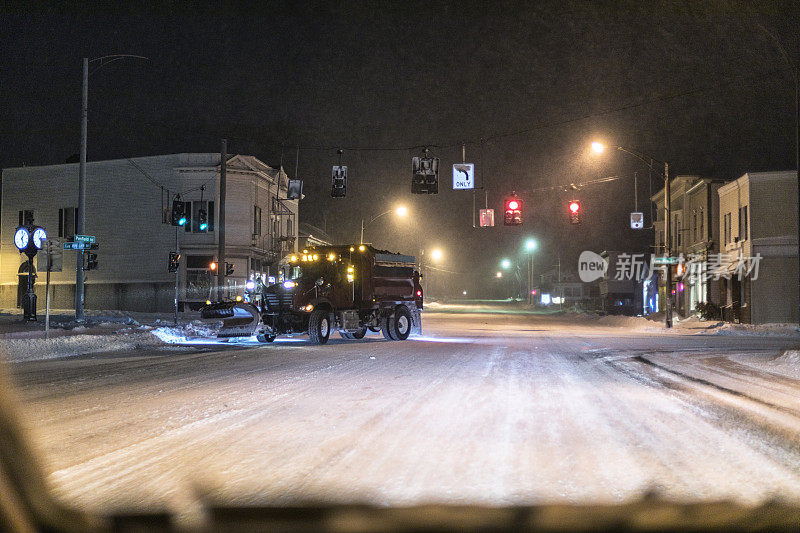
{"x":21,"y":238}
{"x":39,"y":236}
{"x":29,"y":239}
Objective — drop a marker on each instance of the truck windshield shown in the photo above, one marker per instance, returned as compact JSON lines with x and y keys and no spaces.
{"x":292,"y":272}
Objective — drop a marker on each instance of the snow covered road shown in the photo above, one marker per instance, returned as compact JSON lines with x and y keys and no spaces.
{"x":489,"y":408}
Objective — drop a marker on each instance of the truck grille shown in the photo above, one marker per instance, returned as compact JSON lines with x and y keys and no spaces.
{"x":276,"y":302}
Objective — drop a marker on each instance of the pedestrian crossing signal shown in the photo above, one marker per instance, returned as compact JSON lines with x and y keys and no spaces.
{"x":174,"y":261}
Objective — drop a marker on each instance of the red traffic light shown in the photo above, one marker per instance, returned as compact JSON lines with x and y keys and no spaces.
{"x":574,"y":212}
{"x":513,"y":211}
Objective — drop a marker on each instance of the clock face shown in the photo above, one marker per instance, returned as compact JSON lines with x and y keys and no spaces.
{"x":21,"y":238}
{"x":39,"y":235}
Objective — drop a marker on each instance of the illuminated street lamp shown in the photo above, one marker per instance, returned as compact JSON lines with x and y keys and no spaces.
{"x":506,"y":264}
{"x":499,"y":274}
{"x":436,"y":255}
{"x":599,"y":148}
{"x":401,"y":211}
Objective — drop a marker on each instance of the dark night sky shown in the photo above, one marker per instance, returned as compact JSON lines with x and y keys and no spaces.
{"x":702,"y":85}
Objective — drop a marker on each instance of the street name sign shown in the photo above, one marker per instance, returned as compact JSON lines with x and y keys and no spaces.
{"x":77,"y":245}
{"x":663,"y":260}
{"x":85,"y":238}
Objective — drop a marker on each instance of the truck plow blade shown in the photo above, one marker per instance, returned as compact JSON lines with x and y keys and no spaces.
{"x":240,"y":319}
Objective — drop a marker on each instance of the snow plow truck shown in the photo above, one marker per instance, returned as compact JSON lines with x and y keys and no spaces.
{"x":351,"y":289}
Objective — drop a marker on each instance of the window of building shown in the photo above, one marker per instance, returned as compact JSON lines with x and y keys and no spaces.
{"x":256,"y":220}
{"x":677,"y":231}
{"x":199,"y":277}
{"x":26,"y":217}
{"x":727,"y":228}
{"x":694,"y":225}
{"x":743,"y":226}
{"x":289,"y":229}
{"x":67,"y":222}
{"x":702,"y":224}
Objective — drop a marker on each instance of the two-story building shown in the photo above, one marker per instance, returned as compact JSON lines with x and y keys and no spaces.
{"x":695,"y":236}
{"x":758,"y":268}
{"x":128,"y":203}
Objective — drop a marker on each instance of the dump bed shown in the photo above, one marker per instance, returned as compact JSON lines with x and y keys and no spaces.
{"x":393,"y":277}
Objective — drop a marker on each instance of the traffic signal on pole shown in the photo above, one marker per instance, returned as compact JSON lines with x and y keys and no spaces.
{"x":425,"y":179}
{"x":174,"y":261}
{"x":512,"y":214}
{"x":202,"y":218}
{"x":178,"y":212}
{"x":339,"y":181}
{"x":212,"y":265}
{"x":91,"y":261}
{"x":574,"y":212}
{"x":229,"y":269}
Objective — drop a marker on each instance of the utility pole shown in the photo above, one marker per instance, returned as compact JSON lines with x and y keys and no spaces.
{"x":177,"y":270}
{"x":79,"y":292}
{"x":223,"y":168}
{"x":797,"y":157}
{"x":668,"y":246}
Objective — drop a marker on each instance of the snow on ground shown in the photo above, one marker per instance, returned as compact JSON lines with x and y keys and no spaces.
{"x":510,"y":409}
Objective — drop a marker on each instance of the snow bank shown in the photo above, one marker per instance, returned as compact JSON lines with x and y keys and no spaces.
{"x":35,"y":349}
{"x":778,"y":329}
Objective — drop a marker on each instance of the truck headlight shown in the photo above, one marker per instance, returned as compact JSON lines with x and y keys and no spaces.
{"x":250,"y":285}
{"x":289,"y":284}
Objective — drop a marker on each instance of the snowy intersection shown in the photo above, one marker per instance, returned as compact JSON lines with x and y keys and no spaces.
{"x":486,"y":407}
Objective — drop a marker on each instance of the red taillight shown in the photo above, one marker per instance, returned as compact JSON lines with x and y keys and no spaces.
{"x":419,"y":294}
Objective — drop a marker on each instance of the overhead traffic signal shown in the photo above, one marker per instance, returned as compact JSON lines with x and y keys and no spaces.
{"x":425,"y":179}
{"x":178,"y":212}
{"x":294,"y":190}
{"x":512,"y":214}
{"x":229,"y":269}
{"x":202,"y":218}
{"x":339,"y":181}
{"x":574,"y":212}
{"x":174,"y":261}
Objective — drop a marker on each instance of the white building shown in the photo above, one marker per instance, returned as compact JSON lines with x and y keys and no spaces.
{"x":758,"y":217}
{"x":128,"y":204}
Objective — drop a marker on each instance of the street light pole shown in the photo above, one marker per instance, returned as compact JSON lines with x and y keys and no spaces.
{"x":400,"y":211}
{"x":650,"y":162}
{"x":668,"y":246}
{"x":81,"y":211}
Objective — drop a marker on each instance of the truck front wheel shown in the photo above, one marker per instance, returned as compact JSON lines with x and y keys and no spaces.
{"x":319,"y":326}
